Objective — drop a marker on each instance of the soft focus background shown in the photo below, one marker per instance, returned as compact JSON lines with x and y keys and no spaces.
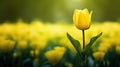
{"x":53,"y":10}
{"x":33,"y":33}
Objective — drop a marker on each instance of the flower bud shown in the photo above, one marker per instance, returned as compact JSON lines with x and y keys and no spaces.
{"x":82,"y":19}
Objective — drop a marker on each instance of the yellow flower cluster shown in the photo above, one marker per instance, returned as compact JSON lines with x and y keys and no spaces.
{"x":110,"y":38}
{"x":38,"y":33}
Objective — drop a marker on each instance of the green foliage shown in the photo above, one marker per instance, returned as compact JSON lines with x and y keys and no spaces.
{"x":82,"y":53}
{"x":75,"y":43}
{"x":93,"y":39}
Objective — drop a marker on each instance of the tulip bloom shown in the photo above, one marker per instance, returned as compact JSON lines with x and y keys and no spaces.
{"x":55,"y":55}
{"x":82,"y":19}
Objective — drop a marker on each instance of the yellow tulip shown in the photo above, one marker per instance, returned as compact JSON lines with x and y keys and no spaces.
{"x":55,"y":55}
{"x":99,"y":55}
{"x":82,"y":19}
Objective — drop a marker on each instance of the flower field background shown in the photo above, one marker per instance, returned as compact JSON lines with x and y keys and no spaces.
{"x":38,"y":44}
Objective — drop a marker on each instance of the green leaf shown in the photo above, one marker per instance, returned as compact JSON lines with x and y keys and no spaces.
{"x":75,"y":43}
{"x":93,"y":39}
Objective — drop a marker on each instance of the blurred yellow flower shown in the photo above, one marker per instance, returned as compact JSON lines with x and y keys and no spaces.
{"x":6,"y":45}
{"x":82,"y":19}
{"x":35,"y":52}
{"x":117,"y":49}
{"x":38,"y":44}
{"x":104,"y":46}
{"x":16,"y":54}
{"x":99,"y":55}
{"x":21,"y":45}
{"x":55,"y":55}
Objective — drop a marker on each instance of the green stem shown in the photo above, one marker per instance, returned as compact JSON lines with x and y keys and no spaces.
{"x":83,"y":33}
{"x":84,"y":56}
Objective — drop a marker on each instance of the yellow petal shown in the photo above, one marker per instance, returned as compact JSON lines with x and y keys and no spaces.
{"x":82,"y":19}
